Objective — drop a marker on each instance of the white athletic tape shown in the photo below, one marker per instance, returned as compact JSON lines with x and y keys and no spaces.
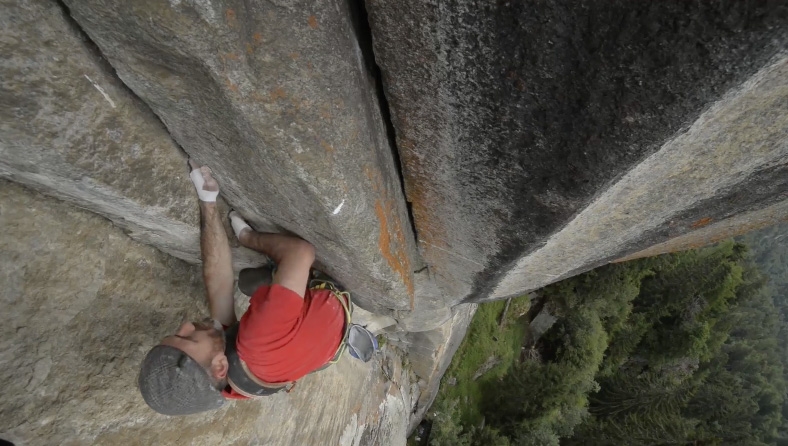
{"x":237,"y":223}
{"x":199,"y":181}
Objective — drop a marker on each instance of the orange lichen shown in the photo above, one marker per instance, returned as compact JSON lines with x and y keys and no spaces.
{"x":395,"y":256}
{"x":294,"y":56}
{"x":277,"y":94}
{"x":231,"y":86}
{"x":393,"y":250}
{"x":707,"y":237}
{"x":424,"y":207}
{"x":230,"y":16}
{"x":257,"y":37}
{"x":312,"y":20}
{"x":421,"y":205}
{"x":326,"y":146}
{"x":230,"y":56}
{"x":701,"y":223}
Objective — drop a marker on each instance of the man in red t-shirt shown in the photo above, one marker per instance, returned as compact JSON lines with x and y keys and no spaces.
{"x":287,"y":332}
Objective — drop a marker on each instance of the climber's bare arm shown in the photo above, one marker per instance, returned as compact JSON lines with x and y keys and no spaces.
{"x":293,"y":256}
{"x":216,"y":257}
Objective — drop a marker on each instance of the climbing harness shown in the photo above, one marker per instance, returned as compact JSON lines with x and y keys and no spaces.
{"x":343,"y":297}
{"x":240,"y":377}
{"x":360,"y":342}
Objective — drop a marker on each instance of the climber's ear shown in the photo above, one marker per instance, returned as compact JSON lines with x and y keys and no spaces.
{"x":219,"y":366}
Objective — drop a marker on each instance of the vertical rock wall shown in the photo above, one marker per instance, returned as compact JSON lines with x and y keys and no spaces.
{"x":74,"y":130}
{"x":538,"y":140}
{"x":513,"y":117}
{"x":430,"y":354}
{"x":277,"y":99}
{"x":729,"y":168}
{"x":70,"y":128}
{"x":82,"y":304}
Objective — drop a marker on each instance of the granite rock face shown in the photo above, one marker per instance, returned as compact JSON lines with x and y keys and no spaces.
{"x":430,"y":353}
{"x":714,"y":232}
{"x":730,"y":167}
{"x":278,"y":100}
{"x":512,"y":118}
{"x":70,"y":128}
{"x":537,"y":141}
{"x":82,"y":303}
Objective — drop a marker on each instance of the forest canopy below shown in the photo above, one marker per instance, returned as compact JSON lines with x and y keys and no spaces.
{"x":684,"y":348}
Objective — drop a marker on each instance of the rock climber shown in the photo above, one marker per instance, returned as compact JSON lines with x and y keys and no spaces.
{"x":291,"y":328}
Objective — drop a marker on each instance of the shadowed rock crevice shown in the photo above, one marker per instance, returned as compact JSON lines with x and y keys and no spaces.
{"x":363,"y":33}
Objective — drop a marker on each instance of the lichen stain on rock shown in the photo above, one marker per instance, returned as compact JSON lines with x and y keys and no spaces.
{"x":312,"y":22}
{"x":231,"y":86}
{"x":277,"y":94}
{"x":394,"y":253}
{"x":231,"y":19}
{"x":701,"y":223}
{"x":396,"y":257}
{"x":423,"y":205}
{"x":327,"y":147}
{"x":719,"y":231}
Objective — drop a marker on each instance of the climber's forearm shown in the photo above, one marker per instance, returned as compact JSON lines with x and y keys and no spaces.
{"x":216,"y":264}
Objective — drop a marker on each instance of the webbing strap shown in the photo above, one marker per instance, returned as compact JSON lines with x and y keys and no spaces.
{"x":239,"y":376}
{"x":344,"y":299}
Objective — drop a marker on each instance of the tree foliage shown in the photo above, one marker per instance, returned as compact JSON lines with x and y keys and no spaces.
{"x":686,"y":348}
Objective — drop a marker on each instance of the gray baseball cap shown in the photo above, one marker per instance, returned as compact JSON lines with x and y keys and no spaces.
{"x":172,"y":383}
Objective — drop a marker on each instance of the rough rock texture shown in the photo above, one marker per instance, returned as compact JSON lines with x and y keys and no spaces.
{"x":716,"y":232}
{"x":82,"y":303}
{"x":513,"y":117}
{"x":71,"y":129}
{"x":730,"y":164}
{"x":430,"y":353}
{"x":430,"y":310}
{"x":277,"y":99}
{"x":538,"y":140}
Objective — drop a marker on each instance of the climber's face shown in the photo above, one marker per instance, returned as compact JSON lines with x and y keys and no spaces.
{"x":202,"y":342}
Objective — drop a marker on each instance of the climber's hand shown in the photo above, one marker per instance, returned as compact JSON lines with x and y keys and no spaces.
{"x":204,"y":182}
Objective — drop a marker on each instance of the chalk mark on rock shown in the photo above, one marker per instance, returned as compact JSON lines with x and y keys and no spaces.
{"x":101,"y":90}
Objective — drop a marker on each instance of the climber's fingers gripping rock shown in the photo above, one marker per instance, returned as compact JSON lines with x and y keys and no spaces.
{"x":204,"y":182}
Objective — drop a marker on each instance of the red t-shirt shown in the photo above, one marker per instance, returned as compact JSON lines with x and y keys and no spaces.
{"x":282,"y":337}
